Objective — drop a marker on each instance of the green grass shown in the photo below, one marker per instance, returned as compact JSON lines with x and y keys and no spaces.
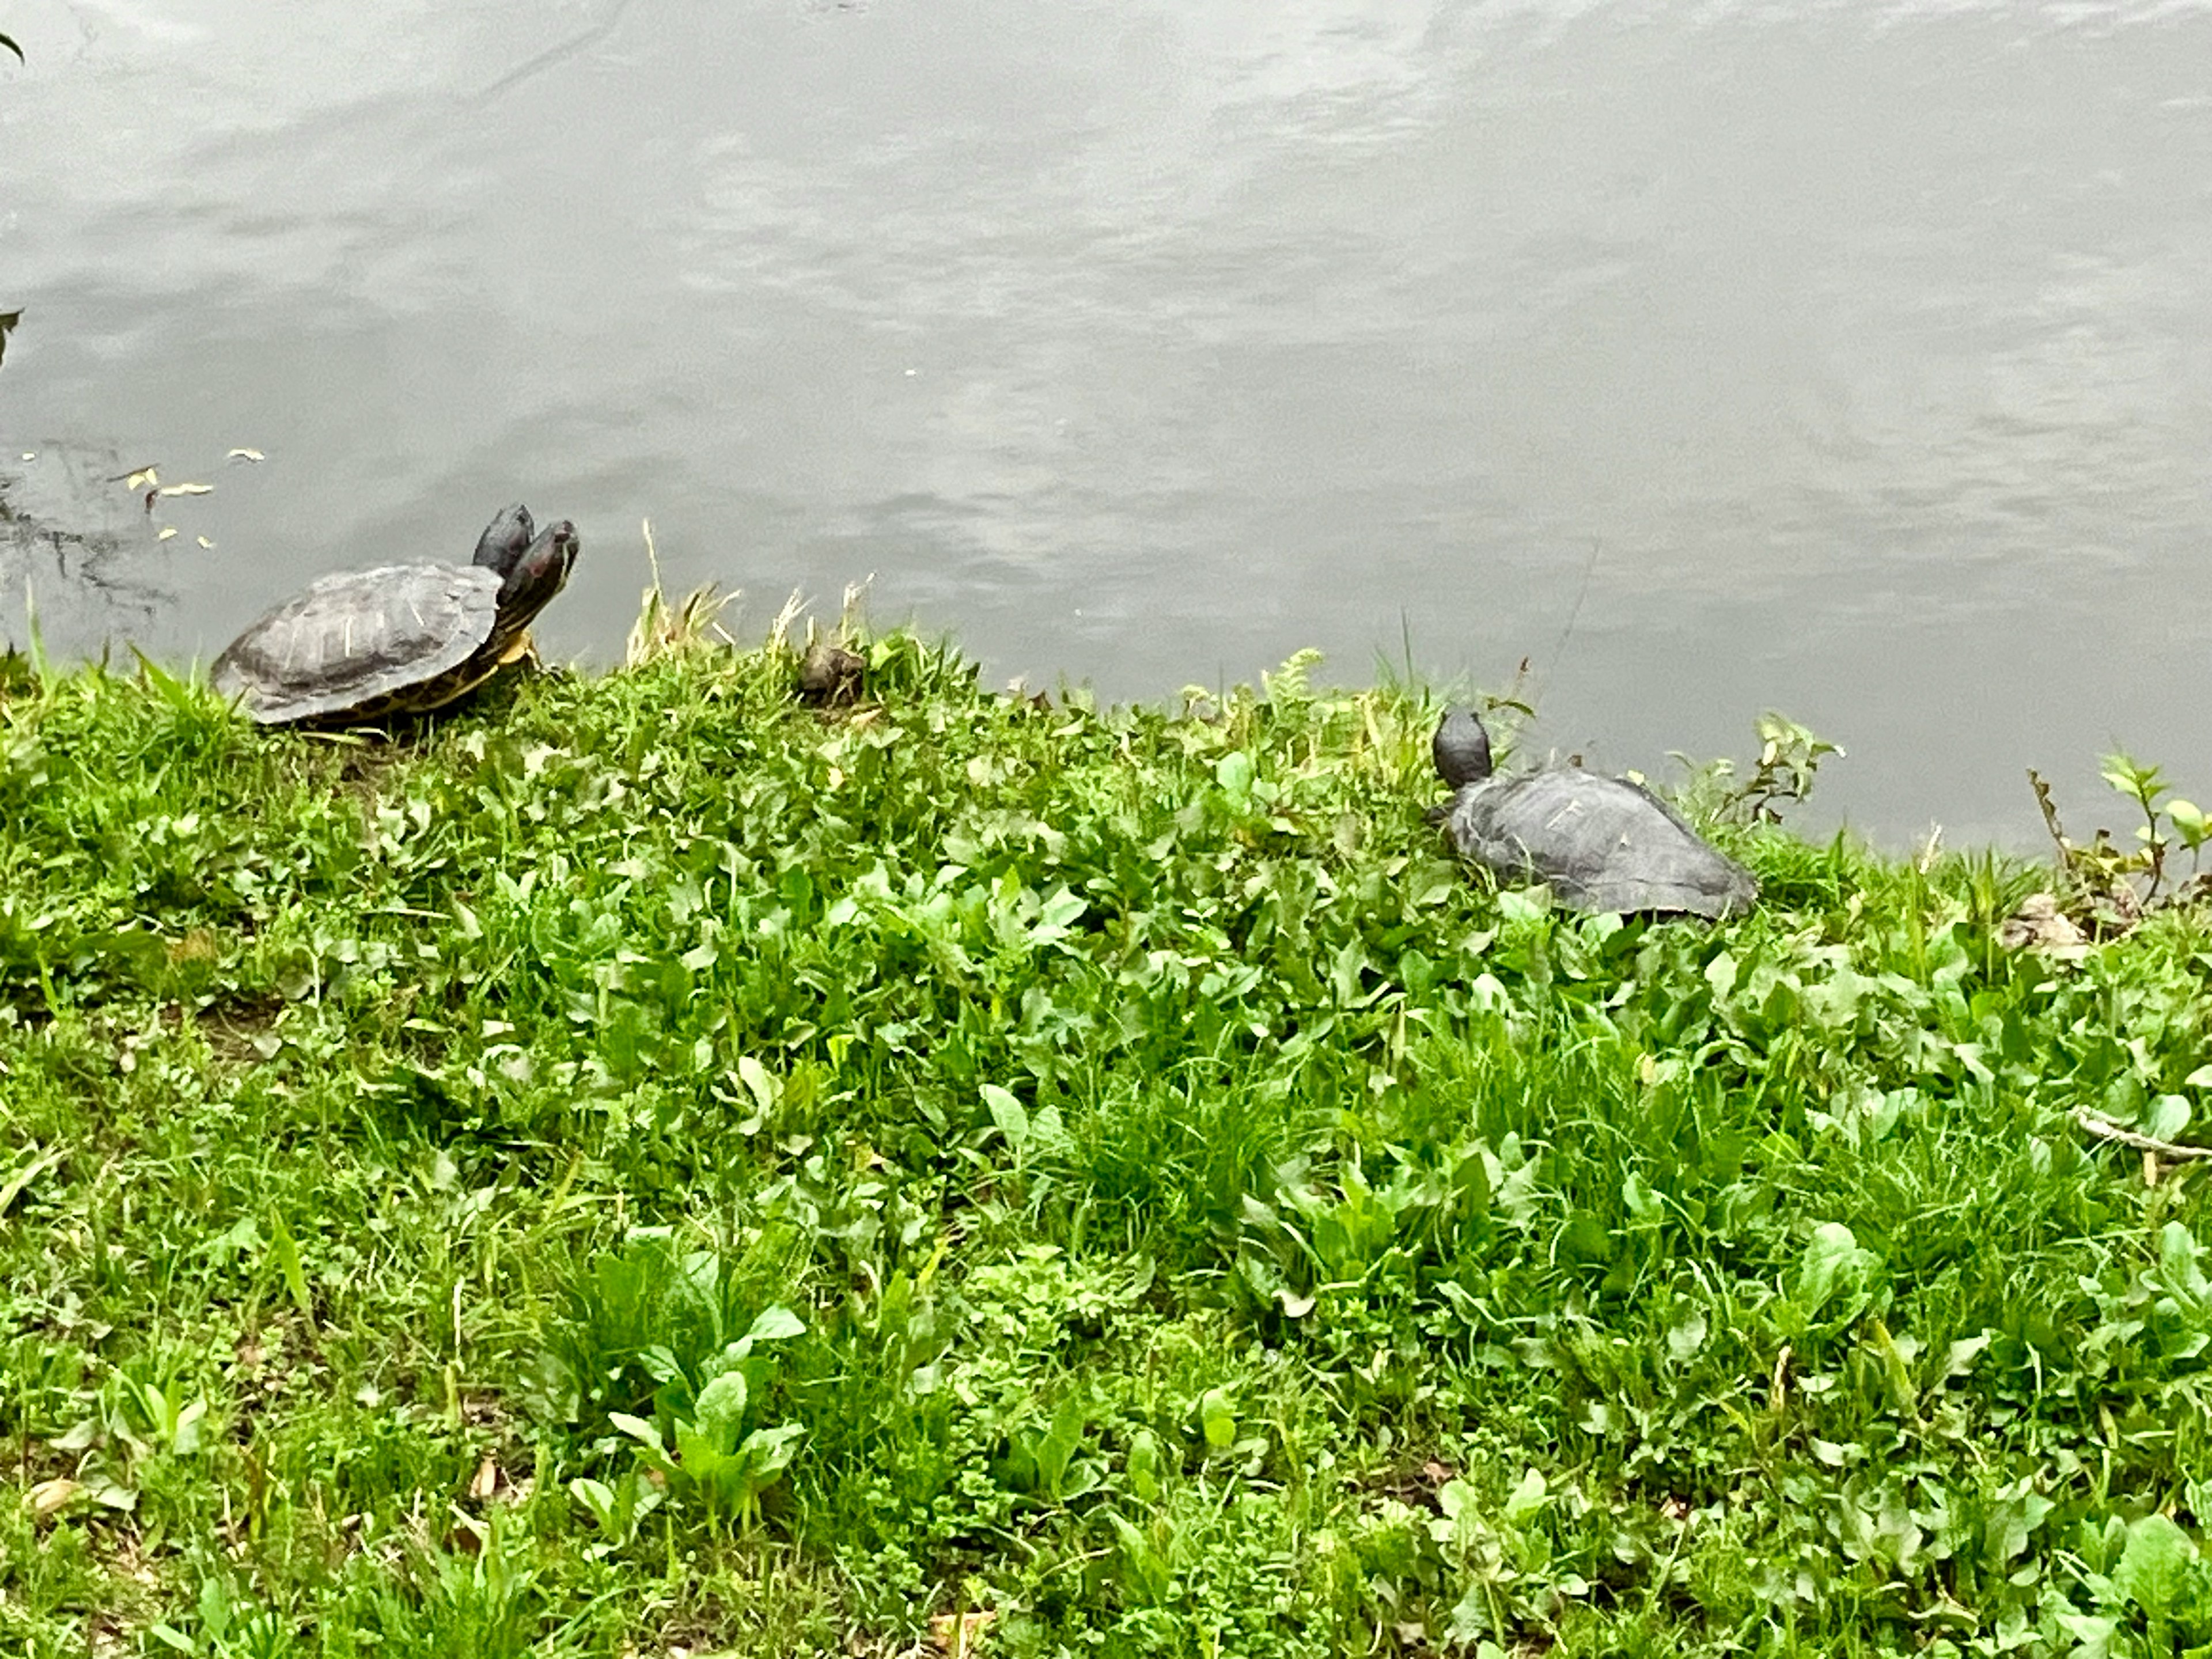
{"x":641,"y":1164}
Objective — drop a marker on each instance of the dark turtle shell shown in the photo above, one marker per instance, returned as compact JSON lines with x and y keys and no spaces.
{"x":362,"y":644}
{"x":1599,"y":843}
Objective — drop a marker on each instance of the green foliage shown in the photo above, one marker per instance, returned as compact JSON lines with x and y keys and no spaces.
{"x":642,"y":1163}
{"x":715,"y":1453}
{"x":2107,"y":888}
{"x":1789,"y":763}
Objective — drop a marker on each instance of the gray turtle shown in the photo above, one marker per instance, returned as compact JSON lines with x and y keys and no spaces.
{"x":1599,"y":843}
{"x":361,"y":644}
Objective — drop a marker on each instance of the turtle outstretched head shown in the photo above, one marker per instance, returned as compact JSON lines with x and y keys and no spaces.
{"x":506,"y":539}
{"x":540,"y":573}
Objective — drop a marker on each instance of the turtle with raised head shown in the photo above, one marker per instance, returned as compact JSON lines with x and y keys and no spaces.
{"x":1599,"y":843}
{"x":361,"y":645}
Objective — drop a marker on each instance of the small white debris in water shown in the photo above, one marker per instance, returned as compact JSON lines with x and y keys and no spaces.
{"x":30,"y":454}
{"x":168,"y":530}
{"x":246,"y":455}
{"x":188,"y":489}
{"x":911,"y":373}
{"x":204,"y":542}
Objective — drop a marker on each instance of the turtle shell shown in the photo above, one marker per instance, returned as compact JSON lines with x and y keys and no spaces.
{"x":363,"y":643}
{"x":1599,"y":843}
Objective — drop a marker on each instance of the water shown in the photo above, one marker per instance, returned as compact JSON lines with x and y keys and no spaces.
{"x":1851,"y":359}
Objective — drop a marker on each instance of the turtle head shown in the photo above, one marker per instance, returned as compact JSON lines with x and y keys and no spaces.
{"x":505,"y":538}
{"x":1460,"y":748}
{"x":540,"y":573}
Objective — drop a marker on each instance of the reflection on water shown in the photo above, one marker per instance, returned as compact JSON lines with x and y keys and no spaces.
{"x":76,"y":559}
{"x":1855,"y":357}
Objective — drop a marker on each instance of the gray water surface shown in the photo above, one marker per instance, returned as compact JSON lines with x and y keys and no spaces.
{"x":1853,"y":360}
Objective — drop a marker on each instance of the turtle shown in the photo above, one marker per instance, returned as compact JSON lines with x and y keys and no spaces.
{"x":1600,"y":843}
{"x":830,"y":675}
{"x":360,"y":645}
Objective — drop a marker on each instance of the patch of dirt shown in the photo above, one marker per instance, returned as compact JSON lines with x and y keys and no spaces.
{"x":1417,"y":1487}
{"x":239,"y":1027}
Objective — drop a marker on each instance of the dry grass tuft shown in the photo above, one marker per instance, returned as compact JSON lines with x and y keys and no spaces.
{"x":693,"y":624}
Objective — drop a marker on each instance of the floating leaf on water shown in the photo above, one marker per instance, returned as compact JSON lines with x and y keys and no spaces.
{"x":186,"y":488}
{"x":245,"y":455}
{"x":144,"y":477}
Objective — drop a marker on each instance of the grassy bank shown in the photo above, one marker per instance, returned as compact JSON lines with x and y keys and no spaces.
{"x":643,"y":1165}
